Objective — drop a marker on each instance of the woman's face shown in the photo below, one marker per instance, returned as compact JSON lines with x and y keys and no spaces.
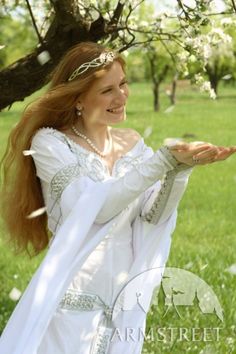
{"x":104,"y":102}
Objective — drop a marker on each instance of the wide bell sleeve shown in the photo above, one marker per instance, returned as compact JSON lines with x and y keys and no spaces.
{"x":129,"y":187}
{"x":163,"y":198}
{"x":58,"y":166}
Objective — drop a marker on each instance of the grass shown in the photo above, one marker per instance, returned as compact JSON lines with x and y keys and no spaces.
{"x":204,"y":241}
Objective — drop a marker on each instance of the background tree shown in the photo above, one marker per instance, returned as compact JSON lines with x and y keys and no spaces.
{"x":58,"y":25}
{"x":160,"y":65}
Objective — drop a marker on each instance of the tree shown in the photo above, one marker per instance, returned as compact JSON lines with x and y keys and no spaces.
{"x":222,"y":61}
{"x":64,"y":25}
{"x":61,"y":24}
{"x":159,"y":67}
{"x":219,"y":56}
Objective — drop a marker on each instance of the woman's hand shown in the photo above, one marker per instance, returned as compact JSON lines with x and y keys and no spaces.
{"x":194,"y":153}
{"x":199,"y":153}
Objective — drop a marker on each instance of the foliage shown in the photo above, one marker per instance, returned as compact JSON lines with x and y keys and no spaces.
{"x":204,"y":241}
{"x":121,"y":24}
{"x":18,"y":39}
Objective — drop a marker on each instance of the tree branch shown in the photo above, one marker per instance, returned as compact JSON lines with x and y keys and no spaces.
{"x":183,"y":9}
{"x":34,"y":22}
{"x":117,"y":14}
{"x":27,"y":74}
{"x":63,"y":11}
{"x":234,"y":5}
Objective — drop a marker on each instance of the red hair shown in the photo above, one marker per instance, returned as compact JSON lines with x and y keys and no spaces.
{"x":20,"y":192}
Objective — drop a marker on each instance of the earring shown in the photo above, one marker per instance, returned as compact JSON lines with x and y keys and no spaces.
{"x":78,"y":112}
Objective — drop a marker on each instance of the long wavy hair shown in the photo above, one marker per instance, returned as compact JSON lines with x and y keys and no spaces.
{"x":20,"y":191}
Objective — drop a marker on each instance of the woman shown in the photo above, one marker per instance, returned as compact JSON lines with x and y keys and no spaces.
{"x":110,"y":211}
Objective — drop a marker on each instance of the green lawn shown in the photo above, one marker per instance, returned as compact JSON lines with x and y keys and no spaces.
{"x":205,"y":238}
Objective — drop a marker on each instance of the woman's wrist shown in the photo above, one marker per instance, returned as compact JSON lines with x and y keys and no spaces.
{"x":171,"y":158}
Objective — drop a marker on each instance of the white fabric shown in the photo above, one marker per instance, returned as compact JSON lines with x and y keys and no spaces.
{"x":100,"y":245}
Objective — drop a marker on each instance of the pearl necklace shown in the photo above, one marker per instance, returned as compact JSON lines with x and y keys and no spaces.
{"x":91,"y":143}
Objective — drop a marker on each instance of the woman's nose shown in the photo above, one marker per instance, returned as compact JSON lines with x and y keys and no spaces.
{"x":122,"y":95}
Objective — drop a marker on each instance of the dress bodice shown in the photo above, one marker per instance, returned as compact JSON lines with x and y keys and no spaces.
{"x":85,"y":163}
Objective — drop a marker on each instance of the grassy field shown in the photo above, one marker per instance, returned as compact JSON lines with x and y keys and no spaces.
{"x":205,"y":238}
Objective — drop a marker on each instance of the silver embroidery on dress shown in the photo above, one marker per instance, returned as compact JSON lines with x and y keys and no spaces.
{"x":160,"y":202}
{"x":90,"y":164}
{"x":74,"y":300}
{"x":158,"y":206}
{"x":63,"y":177}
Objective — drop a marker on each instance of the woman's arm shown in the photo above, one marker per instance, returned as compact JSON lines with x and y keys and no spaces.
{"x":57,"y":165}
{"x":160,"y":204}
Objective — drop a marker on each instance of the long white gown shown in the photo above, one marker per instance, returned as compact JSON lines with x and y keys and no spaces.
{"x":112,"y":236}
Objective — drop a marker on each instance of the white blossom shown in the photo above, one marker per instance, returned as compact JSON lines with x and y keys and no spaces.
{"x":36,"y":213}
{"x":15,"y":294}
{"x":147,"y":132}
{"x":206,"y":87}
{"x":29,"y":152}
{"x":232,"y":269}
{"x":198,"y":79}
{"x":218,"y":35}
{"x":227,"y":77}
{"x":169,"y":109}
{"x":125,"y":53}
{"x":226,"y":21}
{"x":144,"y":24}
{"x":192,"y":58}
{"x":43,"y":57}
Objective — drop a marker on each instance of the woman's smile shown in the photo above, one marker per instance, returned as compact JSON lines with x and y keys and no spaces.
{"x":118,"y":110}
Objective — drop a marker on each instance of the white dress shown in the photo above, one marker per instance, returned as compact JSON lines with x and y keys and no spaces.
{"x":112,"y":236}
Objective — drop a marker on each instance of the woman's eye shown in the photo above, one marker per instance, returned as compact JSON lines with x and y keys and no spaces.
{"x":108,"y":90}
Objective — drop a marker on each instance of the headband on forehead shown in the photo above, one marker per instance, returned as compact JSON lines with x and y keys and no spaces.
{"x":103,"y":59}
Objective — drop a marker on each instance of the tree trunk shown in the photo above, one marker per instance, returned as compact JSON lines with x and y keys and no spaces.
{"x":214,"y":76}
{"x":27,"y":75}
{"x":156,"y":95}
{"x":173,"y":90}
{"x":214,"y":80}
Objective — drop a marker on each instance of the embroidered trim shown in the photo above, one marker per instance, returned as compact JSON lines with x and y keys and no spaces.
{"x":102,"y":340}
{"x":76,"y":301}
{"x":158,"y":206}
{"x":160,"y":202}
{"x":72,"y":300}
{"x":168,"y":155}
{"x":63,"y":177}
